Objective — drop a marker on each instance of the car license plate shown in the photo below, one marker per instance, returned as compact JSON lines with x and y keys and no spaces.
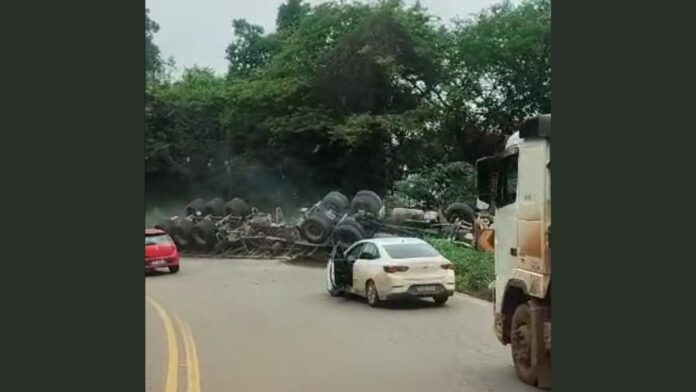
{"x":158,"y":262}
{"x":426,"y":289}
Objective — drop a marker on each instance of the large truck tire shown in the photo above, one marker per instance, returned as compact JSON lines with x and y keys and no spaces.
{"x":215,"y":207}
{"x":368,"y":201}
{"x":521,"y":343}
{"x":461,"y":211}
{"x":166,"y":225}
{"x":237,"y":207}
{"x":203,"y":234}
{"x":336,"y":201}
{"x":352,"y":222}
{"x":182,"y":234}
{"x":194,"y":207}
{"x":347,"y":234}
{"x":316,"y":229}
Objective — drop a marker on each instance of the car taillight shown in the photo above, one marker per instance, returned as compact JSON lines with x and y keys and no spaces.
{"x":447,"y":266}
{"x":395,"y":268}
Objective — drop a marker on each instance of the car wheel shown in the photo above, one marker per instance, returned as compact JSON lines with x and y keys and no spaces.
{"x":441,"y":299}
{"x":372,"y":294}
{"x":174,"y":269}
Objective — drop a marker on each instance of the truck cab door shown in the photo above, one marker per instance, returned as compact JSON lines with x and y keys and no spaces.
{"x":506,"y":223}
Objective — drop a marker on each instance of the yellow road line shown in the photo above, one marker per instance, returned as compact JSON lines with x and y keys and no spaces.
{"x":171,"y":384}
{"x":193,"y":376}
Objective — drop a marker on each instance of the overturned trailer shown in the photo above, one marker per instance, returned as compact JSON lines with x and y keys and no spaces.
{"x":234,"y":229}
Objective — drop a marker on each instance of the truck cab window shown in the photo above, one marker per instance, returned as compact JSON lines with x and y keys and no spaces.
{"x":507,"y":182}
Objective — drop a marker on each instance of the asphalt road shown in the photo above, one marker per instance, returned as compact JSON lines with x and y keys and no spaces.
{"x":266,"y":326}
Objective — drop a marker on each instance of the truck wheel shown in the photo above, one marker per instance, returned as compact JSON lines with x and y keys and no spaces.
{"x":182,"y":234}
{"x":350,"y":221}
{"x":316,"y":229}
{"x":215,"y":207}
{"x":459,"y":211}
{"x":195,"y":206}
{"x":367,"y":201}
{"x":336,"y":201}
{"x":237,"y":207}
{"x":203,"y":234}
{"x":166,"y":225}
{"x":347,"y":234}
{"x":521,"y":345}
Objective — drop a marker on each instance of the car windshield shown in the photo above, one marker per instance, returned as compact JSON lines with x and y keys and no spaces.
{"x":157,"y":239}
{"x":410,"y":251}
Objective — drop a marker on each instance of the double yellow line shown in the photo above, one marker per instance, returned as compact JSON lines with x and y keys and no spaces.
{"x":193,"y":376}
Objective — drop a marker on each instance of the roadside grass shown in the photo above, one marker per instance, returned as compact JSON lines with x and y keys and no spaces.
{"x":474,"y":270}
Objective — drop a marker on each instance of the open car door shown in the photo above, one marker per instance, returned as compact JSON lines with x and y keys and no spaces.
{"x":339,"y":271}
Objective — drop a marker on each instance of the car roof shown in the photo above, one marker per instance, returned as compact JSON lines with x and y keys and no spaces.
{"x":395,"y":240}
{"x":154,"y":232}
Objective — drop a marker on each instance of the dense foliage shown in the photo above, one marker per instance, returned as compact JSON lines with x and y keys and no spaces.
{"x":474,"y":270}
{"x":349,"y":96}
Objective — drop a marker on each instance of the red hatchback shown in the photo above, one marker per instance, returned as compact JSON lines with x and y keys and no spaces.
{"x":160,"y":251}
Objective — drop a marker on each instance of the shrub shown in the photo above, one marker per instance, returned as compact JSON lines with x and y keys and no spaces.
{"x":474,"y":270}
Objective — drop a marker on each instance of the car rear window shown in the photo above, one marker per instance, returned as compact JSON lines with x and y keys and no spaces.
{"x":410,"y":251}
{"x":157,"y":239}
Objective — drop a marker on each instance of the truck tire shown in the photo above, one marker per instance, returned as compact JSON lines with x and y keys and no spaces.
{"x":336,"y":201}
{"x":521,"y":345}
{"x":352,"y":222}
{"x":166,"y":225}
{"x":370,"y":194}
{"x":203,"y":234}
{"x":347,"y":234}
{"x":215,"y":207}
{"x":195,"y":206}
{"x":237,"y":207}
{"x":460,"y":211}
{"x":367,"y":201}
{"x":182,"y":234}
{"x":316,"y":229}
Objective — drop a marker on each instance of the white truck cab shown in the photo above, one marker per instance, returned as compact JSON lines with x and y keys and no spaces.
{"x":516,"y":184}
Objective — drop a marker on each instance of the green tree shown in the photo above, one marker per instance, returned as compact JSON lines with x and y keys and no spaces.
{"x":250,"y":50}
{"x":499,"y":74}
{"x":154,"y":66}
{"x":352,"y":96}
{"x":290,"y":13}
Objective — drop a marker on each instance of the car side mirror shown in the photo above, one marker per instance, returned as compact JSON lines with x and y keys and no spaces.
{"x":351,"y":259}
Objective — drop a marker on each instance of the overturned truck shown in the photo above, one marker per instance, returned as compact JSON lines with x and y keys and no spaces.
{"x":234,"y":229}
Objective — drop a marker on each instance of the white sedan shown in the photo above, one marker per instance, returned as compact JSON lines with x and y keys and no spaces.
{"x":384,"y":269}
